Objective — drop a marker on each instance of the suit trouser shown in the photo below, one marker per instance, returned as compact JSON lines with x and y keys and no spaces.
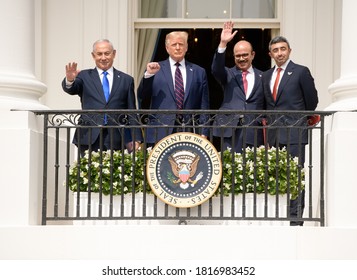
{"x":297,"y":205}
{"x":96,"y":146}
{"x":236,"y":143}
{"x":176,"y":128}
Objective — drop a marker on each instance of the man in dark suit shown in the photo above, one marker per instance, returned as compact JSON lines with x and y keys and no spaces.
{"x":158,"y":87}
{"x":87,"y":84}
{"x":289,"y":86}
{"x":242,"y":91}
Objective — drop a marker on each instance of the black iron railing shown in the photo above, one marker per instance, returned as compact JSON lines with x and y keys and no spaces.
{"x":259,"y":180}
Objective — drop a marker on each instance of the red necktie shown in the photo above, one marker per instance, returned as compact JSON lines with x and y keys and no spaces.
{"x":276,"y":83}
{"x":245,"y":82}
{"x":179,"y":90}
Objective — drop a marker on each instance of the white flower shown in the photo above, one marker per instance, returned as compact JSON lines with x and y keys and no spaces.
{"x":227,"y":186}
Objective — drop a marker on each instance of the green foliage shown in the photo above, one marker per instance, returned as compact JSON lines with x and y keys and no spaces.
{"x":121,"y":175}
{"x":272,"y":171}
{"x":266,"y":170}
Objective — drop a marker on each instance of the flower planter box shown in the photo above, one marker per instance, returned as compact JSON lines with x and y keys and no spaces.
{"x":128,"y":210}
{"x":131,"y":209}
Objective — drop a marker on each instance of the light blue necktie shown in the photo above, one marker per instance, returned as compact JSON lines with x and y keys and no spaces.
{"x":106,"y":86}
{"x":106,"y":92}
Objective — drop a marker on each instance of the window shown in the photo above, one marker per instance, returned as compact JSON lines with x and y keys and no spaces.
{"x":208,"y":9}
{"x":257,"y":21}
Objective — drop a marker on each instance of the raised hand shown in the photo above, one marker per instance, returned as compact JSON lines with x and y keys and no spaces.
{"x":152,"y":67}
{"x":71,"y":71}
{"x":227,"y":35}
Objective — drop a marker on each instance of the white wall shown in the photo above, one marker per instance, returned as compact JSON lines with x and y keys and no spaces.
{"x":70,"y":27}
{"x":68,"y":35}
{"x":310,"y":28}
{"x":177,"y":243}
{"x":21,"y":168}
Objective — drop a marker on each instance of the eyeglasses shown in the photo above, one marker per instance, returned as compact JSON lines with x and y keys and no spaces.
{"x":244,"y":56}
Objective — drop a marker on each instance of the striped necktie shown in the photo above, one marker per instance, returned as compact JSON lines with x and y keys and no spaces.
{"x":179,"y":90}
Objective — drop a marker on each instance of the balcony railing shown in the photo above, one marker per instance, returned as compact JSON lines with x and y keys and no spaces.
{"x":259,"y":180}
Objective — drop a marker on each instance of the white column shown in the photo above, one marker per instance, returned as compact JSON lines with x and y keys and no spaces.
{"x":21,"y":131}
{"x":344,"y":89}
{"x":341,"y":146}
{"x":19,"y":89}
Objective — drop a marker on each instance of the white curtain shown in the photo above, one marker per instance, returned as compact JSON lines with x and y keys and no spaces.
{"x":147,"y":37}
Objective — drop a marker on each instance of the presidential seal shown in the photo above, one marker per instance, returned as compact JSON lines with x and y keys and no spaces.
{"x":184,"y":169}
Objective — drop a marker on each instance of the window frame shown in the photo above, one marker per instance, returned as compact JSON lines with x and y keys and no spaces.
{"x":187,"y":23}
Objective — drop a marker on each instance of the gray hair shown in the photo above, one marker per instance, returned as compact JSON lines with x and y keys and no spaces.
{"x":278,"y":39}
{"x":101,"y":41}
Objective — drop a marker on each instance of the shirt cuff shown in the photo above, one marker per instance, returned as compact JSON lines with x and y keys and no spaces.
{"x":68,"y":83}
{"x":221,"y":50}
{"x":147,"y":75}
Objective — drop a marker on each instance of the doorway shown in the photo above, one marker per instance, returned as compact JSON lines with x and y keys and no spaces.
{"x":202,"y":44}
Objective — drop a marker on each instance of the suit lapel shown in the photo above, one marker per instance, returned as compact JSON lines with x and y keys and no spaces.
{"x":238,"y":77}
{"x":166,"y":71}
{"x":269,"y":75}
{"x":287,"y":74}
{"x":189,"y":78}
{"x":257,"y":78}
{"x":116,"y":82}
{"x":97,"y":83}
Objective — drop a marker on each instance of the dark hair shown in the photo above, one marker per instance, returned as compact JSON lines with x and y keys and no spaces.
{"x":278,"y":39}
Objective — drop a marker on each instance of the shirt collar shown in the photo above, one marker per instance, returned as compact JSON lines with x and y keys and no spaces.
{"x":173,"y":62}
{"x":110,"y":71}
{"x":283,"y":67}
{"x":250,"y":69}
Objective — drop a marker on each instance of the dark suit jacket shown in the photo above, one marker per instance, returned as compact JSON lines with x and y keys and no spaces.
{"x":157,"y":93}
{"x":235,"y":98}
{"x":88,"y":87}
{"x":296,"y":92}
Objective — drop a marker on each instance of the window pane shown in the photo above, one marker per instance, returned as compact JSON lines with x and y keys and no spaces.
{"x":253,"y":8}
{"x":161,"y":9}
{"x":207,"y":9}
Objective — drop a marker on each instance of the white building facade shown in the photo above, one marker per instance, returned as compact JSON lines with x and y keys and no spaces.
{"x":45,"y":35}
